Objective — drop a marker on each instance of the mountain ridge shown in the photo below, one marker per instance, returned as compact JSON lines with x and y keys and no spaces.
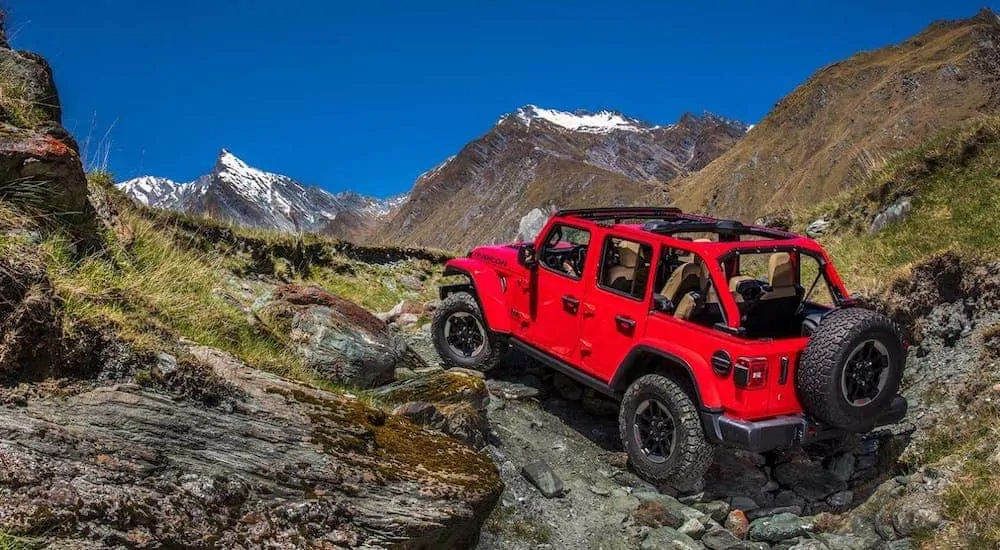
{"x":238,"y":193}
{"x":535,"y":157}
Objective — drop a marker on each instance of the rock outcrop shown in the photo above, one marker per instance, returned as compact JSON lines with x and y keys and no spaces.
{"x":338,"y":339}
{"x":272,"y":463}
{"x":40,"y":168}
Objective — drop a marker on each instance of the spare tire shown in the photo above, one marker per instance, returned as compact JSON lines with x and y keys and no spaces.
{"x":851,"y":368}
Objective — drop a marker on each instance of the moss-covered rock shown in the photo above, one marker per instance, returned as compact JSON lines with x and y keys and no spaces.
{"x":338,"y":339}
{"x":448,"y":401}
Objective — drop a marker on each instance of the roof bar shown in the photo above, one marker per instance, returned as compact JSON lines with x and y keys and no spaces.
{"x":623,"y":212}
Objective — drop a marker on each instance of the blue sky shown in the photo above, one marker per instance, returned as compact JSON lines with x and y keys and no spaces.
{"x":368,"y":95}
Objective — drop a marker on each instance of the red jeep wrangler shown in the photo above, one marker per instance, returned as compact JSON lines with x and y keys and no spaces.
{"x":708,"y":331}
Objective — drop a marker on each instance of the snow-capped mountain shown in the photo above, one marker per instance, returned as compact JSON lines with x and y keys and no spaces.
{"x":237,"y":193}
{"x":535,"y":157}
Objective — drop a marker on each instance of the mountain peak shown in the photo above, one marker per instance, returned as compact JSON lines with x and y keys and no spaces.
{"x":601,"y":122}
{"x":227,"y":160}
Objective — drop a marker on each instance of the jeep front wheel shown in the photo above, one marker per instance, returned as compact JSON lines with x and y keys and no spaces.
{"x":662,"y":433}
{"x":461,"y":336}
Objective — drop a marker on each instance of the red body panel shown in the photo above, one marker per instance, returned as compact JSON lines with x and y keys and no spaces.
{"x":531,"y":305}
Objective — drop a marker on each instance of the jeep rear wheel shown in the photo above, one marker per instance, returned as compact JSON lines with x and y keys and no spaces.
{"x":461,"y":336}
{"x":851,"y":368}
{"x":662,"y":433}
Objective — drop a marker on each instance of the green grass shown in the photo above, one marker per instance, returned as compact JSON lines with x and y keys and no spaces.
{"x":161,"y":276}
{"x":11,"y":542}
{"x":955,"y":185}
{"x":15,"y":99}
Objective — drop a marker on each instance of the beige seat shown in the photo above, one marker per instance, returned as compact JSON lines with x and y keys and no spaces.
{"x":620,"y":276}
{"x":687,"y":277}
{"x":781,"y":277}
{"x":687,"y":306}
{"x":734,"y":283}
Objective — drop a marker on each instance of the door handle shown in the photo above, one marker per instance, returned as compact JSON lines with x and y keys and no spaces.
{"x":625,"y":323}
{"x":571,"y":303}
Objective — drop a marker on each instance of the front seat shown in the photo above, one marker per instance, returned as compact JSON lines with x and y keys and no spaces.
{"x":686,"y":278}
{"x":687,"y":306}
{"x":620,"y":276}
{"x":781,"y":277}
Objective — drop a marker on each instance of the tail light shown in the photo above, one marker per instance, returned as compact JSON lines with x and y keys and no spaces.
{"x":750,"y":372}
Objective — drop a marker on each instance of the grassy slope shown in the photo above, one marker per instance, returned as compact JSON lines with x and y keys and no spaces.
{"x":826,"y":134}
{"x":955,"y":184}
{"x":158,"y":278}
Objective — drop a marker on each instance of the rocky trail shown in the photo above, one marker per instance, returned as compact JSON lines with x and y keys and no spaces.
{"x":568,"y":485}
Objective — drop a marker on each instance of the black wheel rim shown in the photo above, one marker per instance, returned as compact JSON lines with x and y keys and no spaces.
{"x":464,"y":334}
{"x":655,"y":430}
{"x":865,"y":373}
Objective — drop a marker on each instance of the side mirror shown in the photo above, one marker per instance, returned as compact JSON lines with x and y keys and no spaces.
{"x":526,"y":256}
{"x":662,"y":303}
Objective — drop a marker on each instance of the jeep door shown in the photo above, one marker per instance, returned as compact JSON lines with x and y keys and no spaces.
{"x":564,"y":256}
{"x":617,"y":304}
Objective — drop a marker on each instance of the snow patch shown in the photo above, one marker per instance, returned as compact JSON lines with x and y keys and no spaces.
{"x":601,"y":122}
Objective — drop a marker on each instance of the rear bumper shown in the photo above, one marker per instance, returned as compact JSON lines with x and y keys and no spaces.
{"x":783,"y":431}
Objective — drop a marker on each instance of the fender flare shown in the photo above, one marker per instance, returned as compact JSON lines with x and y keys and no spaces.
{"x":485,"y":287}
{"x":679,"y":362}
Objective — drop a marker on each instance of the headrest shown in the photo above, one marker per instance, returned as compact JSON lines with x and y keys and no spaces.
{"x":780,"y":271}
{"x":702,"y":240}
{"x":735,"y":281}
{"x":627,"y":257}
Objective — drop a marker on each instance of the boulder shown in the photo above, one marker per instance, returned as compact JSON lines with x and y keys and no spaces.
{"x":531,"y":225}
{"x":737,"y":523}
{"x":336,"y":338}
{"x":544,"y":478}
{"x":817,"y":227}
{"x":666,"y":538}
{"x":808,"y":479}
{"x":894,"y":213}
{"x":779,"y":527}
{"x":450,"y":401}
{"x":719,"y":539}
{"x":276,"y":464}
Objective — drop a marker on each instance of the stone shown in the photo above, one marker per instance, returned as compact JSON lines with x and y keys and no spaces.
{"x":692,"y":528}
{"x":851,"y":542}
{"x":779,"y":527}
{"x":566,"y":388}
{"x":842,"y":466}
{"x":716,"y":509}
{"x":531,"y":225}
{"x":719,"y":539}
{"x":406,"y":320}
{"x":452,"y":402}
{"x":765,"y":512}
{"x":511,"y":390}
{"x":736,"y":473}
{"x":808,"y":480}
{"x":666,"y":538}
{"x":672,"y":504}
{"x":743,"y":503}
{"x":737,"y":523}
{"x":541,"y":475}
{"x":840,"y":502}
{"x":901,"y":544}
{"x":894,"y":213}
{"x":749,"y":545}
{"x":272,"y":459}
{"x":817,"y":227}
{"x":809,"y":544}
{"x":788,"y":498}
{"x":337,"y":339}
{"x":915,"y":515}
{"x":403,"y":373}
{"x":652,"y":513}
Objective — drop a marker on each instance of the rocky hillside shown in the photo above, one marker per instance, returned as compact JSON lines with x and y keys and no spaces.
{"x":831,"y":132}
{"x":167,"y":382}
{"x":234,"y":192}
{"x":540,"y":158}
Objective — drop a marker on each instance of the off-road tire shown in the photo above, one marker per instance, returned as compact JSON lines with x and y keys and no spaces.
{"x":463,"y":302}
{"x":820,"y":370}
{"x":692,"y":453}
